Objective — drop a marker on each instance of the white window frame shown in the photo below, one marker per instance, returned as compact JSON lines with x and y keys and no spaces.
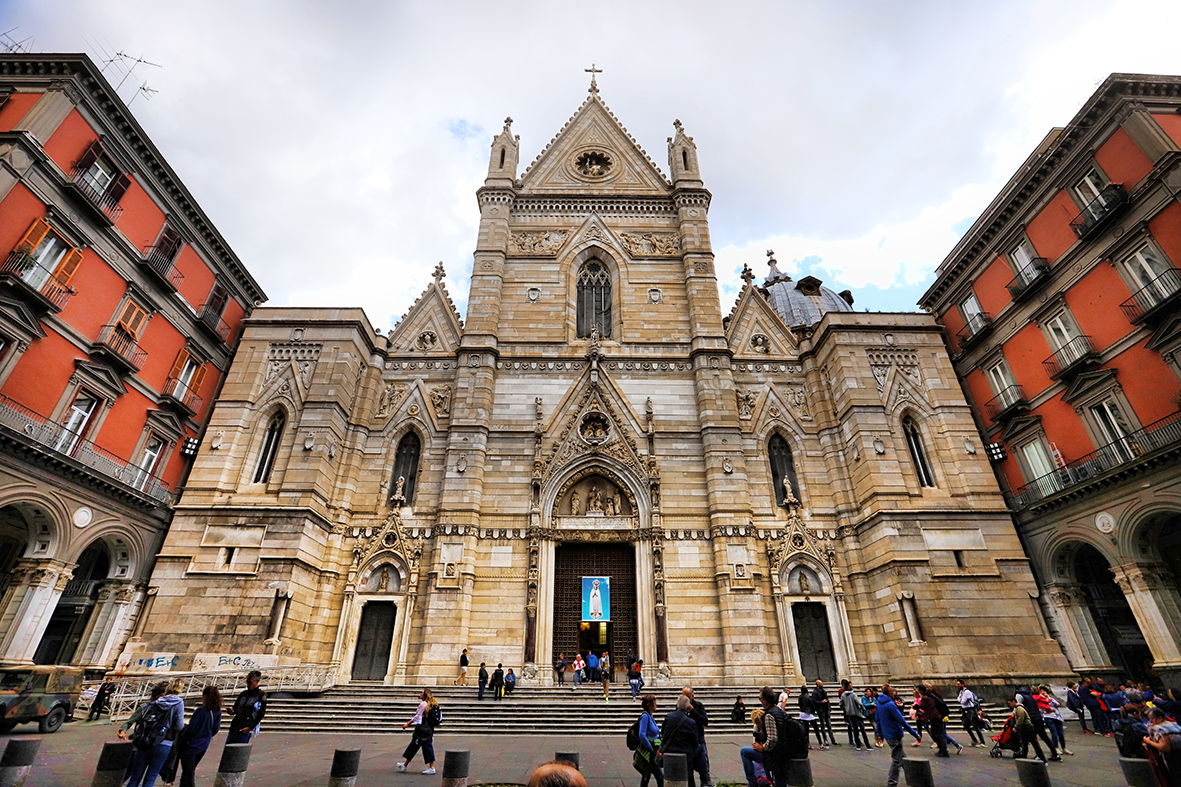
{"x":146,"y":466}
{"x":76,"y":421}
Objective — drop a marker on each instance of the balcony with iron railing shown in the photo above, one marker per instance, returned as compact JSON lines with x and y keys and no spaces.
{"x":179,"y":394}
{"x":1076,"y":354}
{"x":98,"y":198}
{"x":1029,"y":279}
{"x":80,"y":589}
{"x":1162,"y":434}
{"x":975,"y":327}
{"x":159,"y":262}
{"x":211,"y":318}
{"x":54,"y":440}
{"x":1155,"y":298}
{"x":1006,"y":403}
{"x":1099,"y":210}
{"x":121,"y":347}
{"x":39,"y":284}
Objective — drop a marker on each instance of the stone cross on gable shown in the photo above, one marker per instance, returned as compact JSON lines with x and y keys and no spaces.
{"x":594,"y":88}
{"x":439,"y":274}
{"x":747,"y":274}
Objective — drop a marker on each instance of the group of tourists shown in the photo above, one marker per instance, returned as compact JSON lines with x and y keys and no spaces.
{"x":681,"y":732}
{"x":1143,"y":723}
{"x":592,"y":668}
{"x":498,"y":682}
{"x":163,"y":742}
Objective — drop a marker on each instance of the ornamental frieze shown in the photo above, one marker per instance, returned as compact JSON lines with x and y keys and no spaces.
{"x":417,"y":365}
{"x":781,"y":368}
{"x":651,"y":244}
{"x":537,"y":243}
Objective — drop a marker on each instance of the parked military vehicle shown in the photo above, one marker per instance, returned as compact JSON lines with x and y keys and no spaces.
{"x":46,"y":695}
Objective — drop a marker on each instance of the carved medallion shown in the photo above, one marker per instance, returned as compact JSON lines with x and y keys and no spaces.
{"x":595,"y":428}
{"x":593,"y":164}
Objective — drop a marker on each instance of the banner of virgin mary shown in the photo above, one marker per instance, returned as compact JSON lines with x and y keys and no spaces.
{"x":596,"y":599}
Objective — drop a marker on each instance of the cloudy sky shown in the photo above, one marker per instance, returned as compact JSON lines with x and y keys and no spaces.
{"x":338,"y":146}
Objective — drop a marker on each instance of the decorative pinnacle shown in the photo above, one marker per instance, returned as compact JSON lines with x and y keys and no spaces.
{"x":677,"y":124}
{"x":747,"y":274}
{"x":770,"y":257}
{"x":439,"y":274}
{"x":508,"y":125}
{"x":594,"y":88}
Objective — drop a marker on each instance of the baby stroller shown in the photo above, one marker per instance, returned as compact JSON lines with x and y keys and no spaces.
{"x":1006,"y":740}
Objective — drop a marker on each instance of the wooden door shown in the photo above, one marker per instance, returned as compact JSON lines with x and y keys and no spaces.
{"x":815,"y":642}
{"x":375,"y":637}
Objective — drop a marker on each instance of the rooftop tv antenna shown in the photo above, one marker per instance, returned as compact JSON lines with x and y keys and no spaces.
{"x":144,"y":91}
{"x":124,"y":65}
{"x":13,"y":45}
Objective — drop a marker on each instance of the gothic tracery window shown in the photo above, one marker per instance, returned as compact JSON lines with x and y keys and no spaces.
{"x":914,"y":441}
{"x":782,"y":467}
{"x":406,"y":466}
{"x":594,"y":300}
{"x":270,"y":447}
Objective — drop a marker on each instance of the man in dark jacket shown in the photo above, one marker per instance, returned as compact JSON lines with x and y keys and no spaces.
{"x":1025,"y":697}
{"x":929,"y":712}
{"x":823,"y":711}
{"x":890,"y":724}
{"x":483,"y":679}
{"x":701,"y":719}
{"x":249,"y":709}
{"x":497,"y":683}
{"x":678,"y":735}
{"x":99,"y":704}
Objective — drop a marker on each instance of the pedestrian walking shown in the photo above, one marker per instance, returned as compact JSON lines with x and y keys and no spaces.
{"x":592,"y":667}
{"x":249,"y":709}
{"x":1025,"y":697}
{"x":854,"y":714}
{"x":99,"y":703}
{"x":890,"y":726}
{"x":648,"y":745}
{"x":823,"y":711}
{"x":426,"y":717}
{"x":194,"y":739}
{"x":155,"y":735}
{"x":870,"y":706}
{"x":560,"y":669}
{"x":1023,"y":726}
{"x":482,"y":679}
{"x":461,"y":678}
{"x":970,"y":713}
{"x":635,"y":677}
{"x":605,"y":674}
{"x":579,"y":666}
{"x":1048,"y":704}
{"x":1074,"y":702}
{"x":808,"y":716}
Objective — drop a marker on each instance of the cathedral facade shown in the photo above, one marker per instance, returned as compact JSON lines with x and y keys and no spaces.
{"x":793,"y":491}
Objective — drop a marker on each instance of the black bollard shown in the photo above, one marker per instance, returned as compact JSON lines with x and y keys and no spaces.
{"x":799,"y":773}
{"x":345,"y":764}
{"x":1033,"y":773}
{"x":232,"y":770}
{"x":112,"y":764}
{"x":918,"y":772}
{"x":18,"y":761}
{"x":455,"y":768}
{"x":1137,"y":772}
{"x":676,"y":770}
{"x":570,"y":757}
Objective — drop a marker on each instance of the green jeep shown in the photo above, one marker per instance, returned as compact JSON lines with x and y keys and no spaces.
{"x":46,"y":695}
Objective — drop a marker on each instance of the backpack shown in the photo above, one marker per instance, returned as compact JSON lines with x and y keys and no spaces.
{"x":1072,"y":701}
{"x":941,"y":706}
{"x":806,"y":704}
{"x":633,"y":736}
{"x":152,"y":728}
{"x":434,"y":716}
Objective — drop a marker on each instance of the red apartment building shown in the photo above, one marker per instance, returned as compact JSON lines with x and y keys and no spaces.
{"x":120,"y":305}
{"x":1062,"y":308}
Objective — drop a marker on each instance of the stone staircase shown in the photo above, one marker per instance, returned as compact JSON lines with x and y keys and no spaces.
{"x":377,"y":709}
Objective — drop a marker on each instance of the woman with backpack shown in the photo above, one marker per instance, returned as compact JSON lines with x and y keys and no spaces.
{"x":808,"y":716}
{"x":426,"y":718}
{"x":647,"y":757}
{"x":161,"y":722}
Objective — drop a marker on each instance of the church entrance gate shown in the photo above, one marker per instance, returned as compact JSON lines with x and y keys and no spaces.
{"x":573,"y":635}
{"x":375,"y":636}
{"x":814,"y":641}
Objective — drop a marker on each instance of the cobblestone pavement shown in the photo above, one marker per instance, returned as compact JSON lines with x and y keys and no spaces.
{"x":67,"y":759}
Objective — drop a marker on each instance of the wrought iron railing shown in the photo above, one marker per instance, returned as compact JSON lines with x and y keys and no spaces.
{"x":179,"y":392}
{"x":116,"y":340}
{"x":22,"y":266}
{"x":1158,"y":292}
{"x":161,"y":263}
{"x":99,"y":198}
{"x":1069,"y":355}
{"x":1096,"y":213}
{"x":80,"y":588}
{"x":131,"y":692}
{"x":55,"y":438}
{"x":1157,"y":435}
{"x":1003,"y":402}
{"x":974,"y":327}
{"x":1036,"y":271}
{"x":212,"y":319}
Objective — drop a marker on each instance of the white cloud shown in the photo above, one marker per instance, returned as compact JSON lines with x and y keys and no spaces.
{"x":338,"y":147}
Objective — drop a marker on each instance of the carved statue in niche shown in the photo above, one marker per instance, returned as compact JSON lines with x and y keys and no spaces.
{"x":746,"y":404}
{"x":537,"y":405}
{"x":594,"y":501}
{"x":805,"y":585}
{"x":532,"y":600}
{"x":575,"y":504}
{"x":609,"y":506}
{"x":384,"y":583}
{"x":618,"y":501}
{"x":398,"y":496}
{"x":441,"y":400}
{"x":390,"y":398}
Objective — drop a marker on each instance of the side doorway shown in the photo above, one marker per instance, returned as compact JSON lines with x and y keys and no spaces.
{"x":375,"y":637}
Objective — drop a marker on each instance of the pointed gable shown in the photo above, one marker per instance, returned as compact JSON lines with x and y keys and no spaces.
{"x":594,"y":153}
{"x":755,"y":330}
{"x":432,"y":324}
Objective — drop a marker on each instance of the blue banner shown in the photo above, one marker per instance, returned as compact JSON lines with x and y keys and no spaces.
{"x":596,"y":599}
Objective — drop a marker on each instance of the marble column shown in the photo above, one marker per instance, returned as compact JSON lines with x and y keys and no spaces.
{"x":1157,"y":606}
{"x":1080,"y":637}
{"x":27,"y":606}
{"x":103,"y":638}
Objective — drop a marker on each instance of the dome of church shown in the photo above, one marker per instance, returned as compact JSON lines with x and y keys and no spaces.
{"x":802,"y":303}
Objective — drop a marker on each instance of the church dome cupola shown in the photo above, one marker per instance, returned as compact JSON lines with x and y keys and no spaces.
{"x":802,"y":303}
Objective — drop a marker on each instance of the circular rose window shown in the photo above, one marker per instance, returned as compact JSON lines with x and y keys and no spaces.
{"x":593,"y":164}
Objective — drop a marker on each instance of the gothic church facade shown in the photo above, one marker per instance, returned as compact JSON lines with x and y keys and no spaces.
{"x":792,"y":491}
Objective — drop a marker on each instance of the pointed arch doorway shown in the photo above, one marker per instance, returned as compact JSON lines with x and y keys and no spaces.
{"x":572,"y":634}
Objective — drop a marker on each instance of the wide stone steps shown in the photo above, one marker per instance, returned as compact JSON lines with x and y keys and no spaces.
{"x":377,"y":709}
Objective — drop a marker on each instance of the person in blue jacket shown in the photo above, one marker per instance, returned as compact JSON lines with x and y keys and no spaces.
{"x":890,"y":724}
{"x":649,"y":732}
{"x":194,"y":740}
